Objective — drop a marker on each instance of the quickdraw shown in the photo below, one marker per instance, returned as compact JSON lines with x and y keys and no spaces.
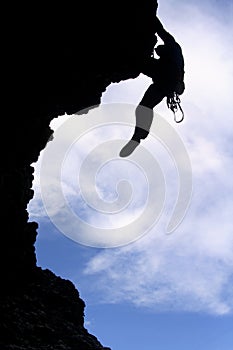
{"x":173,"y":103}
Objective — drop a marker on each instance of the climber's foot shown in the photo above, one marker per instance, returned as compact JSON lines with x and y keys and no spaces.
{"x":129,"y":148}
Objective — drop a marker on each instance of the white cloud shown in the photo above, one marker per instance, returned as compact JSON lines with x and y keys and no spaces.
{"x":187,"y":271}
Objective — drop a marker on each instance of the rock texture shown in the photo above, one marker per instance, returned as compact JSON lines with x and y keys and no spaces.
{"x":45,"y":313}
{"x":56,"y":59}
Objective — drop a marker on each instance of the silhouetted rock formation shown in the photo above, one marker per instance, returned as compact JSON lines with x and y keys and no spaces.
{"x":47,"y":311}
{"x":57,"y":60}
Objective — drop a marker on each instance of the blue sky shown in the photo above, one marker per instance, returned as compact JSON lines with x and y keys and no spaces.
{"x":166,"y":291}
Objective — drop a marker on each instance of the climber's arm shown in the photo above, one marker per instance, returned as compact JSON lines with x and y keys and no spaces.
{"x":162,"y":33}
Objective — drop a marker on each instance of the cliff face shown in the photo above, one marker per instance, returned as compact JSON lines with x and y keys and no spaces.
{"x":56,"y":60}
{"x":45,"y":313}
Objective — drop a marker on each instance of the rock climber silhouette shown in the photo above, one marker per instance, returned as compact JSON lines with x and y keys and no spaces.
{"x":167,"y":73}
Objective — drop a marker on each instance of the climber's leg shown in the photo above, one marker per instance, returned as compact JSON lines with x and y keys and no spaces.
{"x":144,"y":111}
{"x":144,"y":118}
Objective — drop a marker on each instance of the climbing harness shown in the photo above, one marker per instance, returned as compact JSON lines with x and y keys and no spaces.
{"x":173,"y":103}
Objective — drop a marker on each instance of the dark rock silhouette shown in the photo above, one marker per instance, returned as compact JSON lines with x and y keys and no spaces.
{"x":46,"y":311}
{"x":167,"y":74}
{"x":56,"y":59}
